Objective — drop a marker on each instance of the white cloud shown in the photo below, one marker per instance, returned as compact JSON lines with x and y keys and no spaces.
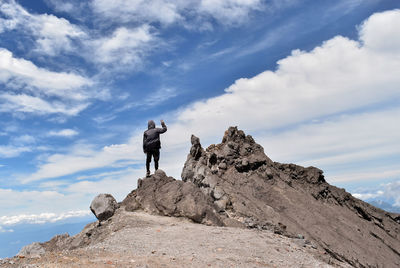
{"x":310,"y":110}
{"x":393,"y":190}
{"x":10,"y":103}
{"x":17,"y":146}
{"x":339,"y":140}
{"x":368,"y":195}
{"x":118,"y":183}
{"x":165,"y":12}
{"x":33,"y":201}
{"x":23,"y":73}
{"x":24,"y":139}
{"x":375,"y":32}
{"x":64,"y":133}
{"x":41,"y":218}
{"x":44,"y":91}
{"x":64,"y":6}
{"x":193,"y":13}
{"x":388,"y":191}
{"x":230,"y":11}
{"x":152,"y":99}
{"x":66,"y":199}
{"x":9,"y":151}
{"x":125,"y":46}
{"x":53,"y":35}
{"x":35,"y":206}
{"x":340,"y":76}
{"x":83,"y":158}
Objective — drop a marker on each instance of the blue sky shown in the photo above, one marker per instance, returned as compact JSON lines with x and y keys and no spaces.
{"x":315,"y":82}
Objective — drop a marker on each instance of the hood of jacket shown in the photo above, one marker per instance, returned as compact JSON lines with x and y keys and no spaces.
{"x":151,"y":124}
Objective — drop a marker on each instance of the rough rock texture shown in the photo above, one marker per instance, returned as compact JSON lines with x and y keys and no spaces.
{"x":103,"y":206}
{"x":166,"y":196}
{"x":33,"y":250}
{"x":289,"y":199}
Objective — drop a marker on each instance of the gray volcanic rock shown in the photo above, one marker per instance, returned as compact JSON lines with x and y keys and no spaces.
{"x":34,"y":250}
{"x":289,"y":199}
{"x":164,"y":195}
{"x":103,"y":206}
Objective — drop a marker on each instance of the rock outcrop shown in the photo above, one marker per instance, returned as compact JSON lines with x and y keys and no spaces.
{"x":289,"y":199}
{"x":103,"y":206}
{"x":163,"y":195}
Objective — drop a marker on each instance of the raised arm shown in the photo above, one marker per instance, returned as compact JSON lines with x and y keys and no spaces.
{"x":164,"y":127}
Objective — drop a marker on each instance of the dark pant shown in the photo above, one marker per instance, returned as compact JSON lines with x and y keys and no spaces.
{"x":156,"y":155}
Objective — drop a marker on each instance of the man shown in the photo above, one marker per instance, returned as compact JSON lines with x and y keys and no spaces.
{"x":152,"y":144}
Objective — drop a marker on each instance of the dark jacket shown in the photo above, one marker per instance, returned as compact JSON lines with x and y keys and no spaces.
{"x":151,"y":137}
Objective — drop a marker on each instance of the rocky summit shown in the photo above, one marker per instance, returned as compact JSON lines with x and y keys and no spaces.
{"x":233,"y":190}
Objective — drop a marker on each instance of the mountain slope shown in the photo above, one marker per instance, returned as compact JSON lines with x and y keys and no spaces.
{"x":248,"y":186}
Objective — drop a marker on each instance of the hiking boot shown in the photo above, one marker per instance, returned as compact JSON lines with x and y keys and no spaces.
{"x":148,"y":173}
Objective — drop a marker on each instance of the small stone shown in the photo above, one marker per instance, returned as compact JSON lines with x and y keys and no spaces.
{"x":214,"y":169}
{"x":218,"y":193}
{"x":221,"y":204}
{"x":222,"y":166}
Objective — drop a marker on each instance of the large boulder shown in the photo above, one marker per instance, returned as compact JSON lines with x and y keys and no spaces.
{"x":103,"y":206}
{"x":293,"y":200}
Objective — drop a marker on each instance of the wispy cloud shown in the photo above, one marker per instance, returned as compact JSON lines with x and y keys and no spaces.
{"x":53,"y":35}
{"x":41,"y":218}
{"x":22,"y":103}
{"x":193,"y":14}
{"x":68,"y":133}
{"x":68,"y":198}
{"x":44,"y":91}
{"x":153,"y":99}
{"x":3,"y":230}
{"x":9,"y":151}
{"x":388,"y":191}
{"x":83,"y":158}
{"x":125,"y":46}
{"x":20,"y":73}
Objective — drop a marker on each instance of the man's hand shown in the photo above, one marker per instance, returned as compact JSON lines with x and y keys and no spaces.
{"x":162,"y":122}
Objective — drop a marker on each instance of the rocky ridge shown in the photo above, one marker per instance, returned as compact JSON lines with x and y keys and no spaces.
{"x":234,"y":184}
{"x":289,"y":199}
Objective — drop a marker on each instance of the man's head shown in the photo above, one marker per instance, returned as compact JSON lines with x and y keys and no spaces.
{"x":151,"y":124}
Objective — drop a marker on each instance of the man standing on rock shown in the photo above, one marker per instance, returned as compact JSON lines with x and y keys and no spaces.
{"x":152,"y":144}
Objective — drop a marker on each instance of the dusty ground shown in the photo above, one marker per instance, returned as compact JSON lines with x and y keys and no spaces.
{"x":155,"y":241}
